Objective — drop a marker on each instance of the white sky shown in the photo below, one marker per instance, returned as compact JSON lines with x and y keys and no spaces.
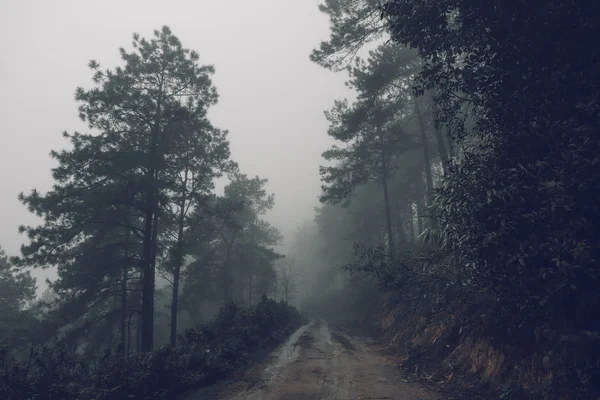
{"x":271,"y":96}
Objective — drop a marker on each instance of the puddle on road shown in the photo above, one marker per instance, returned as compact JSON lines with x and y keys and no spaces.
{"x":289,"y":352}
{"x":319,"y":363}
{"x":323,"y":342}
{"x":326,"y":333}
{"x":344,"y":341}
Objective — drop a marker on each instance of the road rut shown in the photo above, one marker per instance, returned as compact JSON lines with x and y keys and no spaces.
{"x":318,"y":362}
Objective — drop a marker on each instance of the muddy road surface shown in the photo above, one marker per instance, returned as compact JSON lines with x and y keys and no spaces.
{"x":318,"y":362}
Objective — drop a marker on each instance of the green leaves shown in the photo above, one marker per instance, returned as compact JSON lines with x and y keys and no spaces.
{"x":17,"y":288}
{"x":152,"y":152}
{"x":209,"y":352}
{"x":374,"y":128}
{"x":517,"y":200}
{"x":231,"y":243}
{"x":353,"y":24}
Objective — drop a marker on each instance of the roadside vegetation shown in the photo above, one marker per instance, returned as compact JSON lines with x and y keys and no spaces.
{"x":458,"y":211}
{"x":163,"y":284}
{"x":458,"y":214}
{"x":205,"y":354}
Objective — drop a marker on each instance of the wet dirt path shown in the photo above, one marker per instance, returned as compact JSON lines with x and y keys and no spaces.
{"x":318,"y":362}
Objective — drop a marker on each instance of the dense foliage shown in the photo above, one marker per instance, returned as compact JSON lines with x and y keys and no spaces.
{"x":460,"y":197}
{"x":530,"y":79}
{"x":499,"y":212}
{"x":17,"y":289}
{"x":207,"y":352}
{"x":140,"y":241}
{"x":134,"y":201}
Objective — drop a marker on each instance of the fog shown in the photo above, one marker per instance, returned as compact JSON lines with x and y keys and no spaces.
{"x":271,"y":96}
{"x":363,"y":211}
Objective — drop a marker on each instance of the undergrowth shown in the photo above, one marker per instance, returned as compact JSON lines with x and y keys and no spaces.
{"x":205,"y":354}
{"x":463,"y":341}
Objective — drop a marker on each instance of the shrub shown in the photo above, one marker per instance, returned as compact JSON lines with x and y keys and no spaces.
{"x":207,"y":353}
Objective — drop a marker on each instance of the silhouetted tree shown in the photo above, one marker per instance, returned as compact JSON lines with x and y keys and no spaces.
{"x":112,"y":188}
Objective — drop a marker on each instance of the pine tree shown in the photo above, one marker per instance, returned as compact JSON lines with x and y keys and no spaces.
{"x":113,"y":186}
{"x":17,"y":290}
{"x":202,"y":156}
{"x":354,"y":24}
{"x":247,"y":236}
{"x":373,"y":130}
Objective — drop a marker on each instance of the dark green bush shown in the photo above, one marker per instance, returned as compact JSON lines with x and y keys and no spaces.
{"x":206,"y":353}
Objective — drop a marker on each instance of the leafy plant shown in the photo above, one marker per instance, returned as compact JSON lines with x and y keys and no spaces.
{"x":207,"y":353}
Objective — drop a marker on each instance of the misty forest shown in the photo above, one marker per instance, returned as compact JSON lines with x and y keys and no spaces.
{"x":452,"y":251}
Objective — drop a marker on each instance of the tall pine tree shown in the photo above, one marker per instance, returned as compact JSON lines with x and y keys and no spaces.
{"x":112,"y":187}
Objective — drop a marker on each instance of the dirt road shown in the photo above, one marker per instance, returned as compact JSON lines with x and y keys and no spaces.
{"x":320,"y":363}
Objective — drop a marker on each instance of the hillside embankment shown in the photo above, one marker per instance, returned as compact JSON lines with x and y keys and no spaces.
{"x":448,"y":352}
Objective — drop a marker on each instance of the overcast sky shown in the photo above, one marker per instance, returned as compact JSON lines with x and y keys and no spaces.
{"x":271,"y":96}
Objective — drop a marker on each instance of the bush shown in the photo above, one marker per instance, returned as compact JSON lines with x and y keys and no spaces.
{"x":207,"y":353}
{"x":453,"y":327}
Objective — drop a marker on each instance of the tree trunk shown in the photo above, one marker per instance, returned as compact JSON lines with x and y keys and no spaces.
{"x":439,"y":136}
{"x":175,"y":293}
{"x":174,"y":307}
{"x":250,"y":290}
{"x":426,"y":162}
{"x":138,"y":334}
{"x":111,"y":335}
{"x":148,"y":329}
{"x":388,"y":215}
{"x":148,"y":280}
{"x":450,"y":141}
{"x":124,"y":298}
{"x":124,"y":311}
{"x":151,"y":226}
{"x":401,"y":232}
{"x":411,"y":224}
{"x":138,"y":320}
{"x":420,"y":206}
{"x":150,"y":235}
{"x":178,"y":263}
{"x":129,"y":332}
{"x":403,"y":210}
{"x":426,"y":154}
{"x":227,"y":292}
